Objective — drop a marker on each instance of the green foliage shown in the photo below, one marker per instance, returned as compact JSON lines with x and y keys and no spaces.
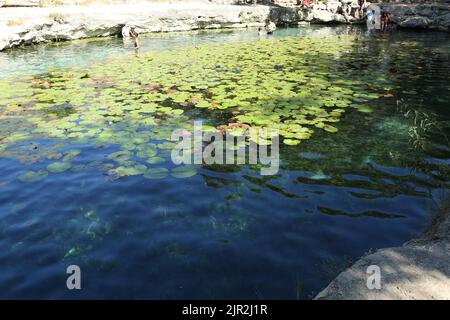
{"x":289,"y":85}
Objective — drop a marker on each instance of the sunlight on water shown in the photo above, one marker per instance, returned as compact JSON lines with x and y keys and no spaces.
{"x":87,"y":176}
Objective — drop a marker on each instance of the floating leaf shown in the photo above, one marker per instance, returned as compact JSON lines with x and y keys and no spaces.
{"x":183,"y":172}
{"x":291,"y":142}
{"x":71,"y":154}
{"x":155,"y":160}
{"x":128,"y":171}
{"x":329,"y":128}
{"x":156,"y":173}
{"x":120,"y":156}
{"x":58,"y":167}
{"x":33,"y":176}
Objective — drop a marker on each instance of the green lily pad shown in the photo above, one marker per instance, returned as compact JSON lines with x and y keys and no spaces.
{"x":156,"y":173}
{"x":120,"y":156}
{"x":123,"y":171}
{"x":147,"y":152}
{"x":291,"y":142}
{"x":329,"y":128}
{"x":365,"y":109}
{"x":183,"y":172}
{"x":202,"y":104}
{"x":33,"y":176}
{"x":58,"y":167}
{"x":71,"y":154}
{"x":155,"y":160}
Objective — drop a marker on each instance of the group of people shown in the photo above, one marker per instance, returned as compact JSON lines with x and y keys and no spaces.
{"x":349,"y":10}
{"x":364,"y":10}
{"x":129,"y":33}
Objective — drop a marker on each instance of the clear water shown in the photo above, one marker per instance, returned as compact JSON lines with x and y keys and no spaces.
{"x":229,"y":232}
{"x":86,"y":52}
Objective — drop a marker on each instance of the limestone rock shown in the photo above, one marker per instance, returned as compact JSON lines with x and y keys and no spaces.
{"x":420,"y":269}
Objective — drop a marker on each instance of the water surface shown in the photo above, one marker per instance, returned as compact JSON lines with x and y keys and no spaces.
{"x":77,"y":140}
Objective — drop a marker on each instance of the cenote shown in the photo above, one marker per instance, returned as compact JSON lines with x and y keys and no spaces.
{"x":87,"y":178}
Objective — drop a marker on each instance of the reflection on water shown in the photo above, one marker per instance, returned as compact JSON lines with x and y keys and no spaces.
{"x":227,"y":231}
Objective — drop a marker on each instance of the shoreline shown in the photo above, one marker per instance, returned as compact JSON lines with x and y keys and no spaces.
{"x":418,"y":270}
{"x":24,"y":26}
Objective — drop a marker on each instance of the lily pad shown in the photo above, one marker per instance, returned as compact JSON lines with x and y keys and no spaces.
{"x":123,"y":171}
{"x":329,"y":128}
{"x":156,"y":173}
{"x":58,"y":167}
{"x":156,"y":160}
{"x":183,"y":172}
{"x":33,"y":176}
{"x":120,"y":156}
{"x":291,"y":142}
{"x":71,"y":154}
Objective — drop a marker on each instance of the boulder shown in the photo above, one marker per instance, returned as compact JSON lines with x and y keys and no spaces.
{"x":425,"y":16}
{"x":322,"y":16}
{"x":418,"y":270}
{"x":333,"y":6}
{"x":415,"y":22}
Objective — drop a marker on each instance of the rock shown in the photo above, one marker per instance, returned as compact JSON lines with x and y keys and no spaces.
{"x":415,"y":22}
{"x":333,"y":6}
{"x":420,"y":269}
{"x":68,"y":23}
{"x":19,"y":3}
{"x":319,"y":6}
{"x":322,"y":16}
{"x":34,"y":25}
{"x":425,"y":16}
{"x":443,"y":21}
{"x":285,"y":16}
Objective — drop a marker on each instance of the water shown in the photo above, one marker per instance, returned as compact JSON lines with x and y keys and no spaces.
{"x":227,"y":231}
{"x":86,"y":52}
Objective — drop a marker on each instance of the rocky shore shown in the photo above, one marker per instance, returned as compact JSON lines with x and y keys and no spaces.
{"x":419,"y":270}
{"x":19,"y":26}
{"x":422,"y":15}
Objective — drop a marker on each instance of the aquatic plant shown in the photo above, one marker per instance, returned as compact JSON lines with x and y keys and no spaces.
{"x":290,"y":85}
{"x":423,"y":124}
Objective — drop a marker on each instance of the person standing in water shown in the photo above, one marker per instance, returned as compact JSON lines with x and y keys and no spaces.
{"x":135,"y":36}
{"x":270,"y":26}
{"x":261,"y":32}
{"x":126,"y":30}
{"x":129,"y":32}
